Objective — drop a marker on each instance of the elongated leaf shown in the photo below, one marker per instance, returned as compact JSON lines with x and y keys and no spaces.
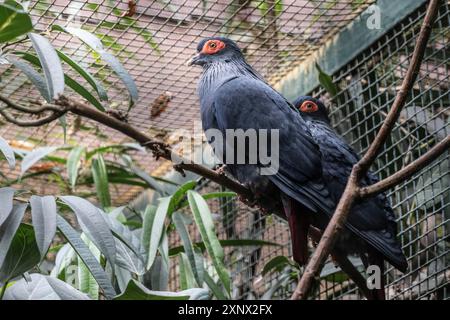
{"x":129,"y":260}
{"x":136,"y":291}
{"x":32,"y":75}
{"x":51,"y":65}
{"x":276,"y":263}
{"x":85,"y":74}
{"x":23,"y":254}
{"x":159,"y":274}
{"x":95,"y":44}
{"x":152,"y":183}
{"x":187,"y":279}
{"x":101,"y":181}
{"x":74,"y":85}
{"x":86,"y":255}
{"x":148,"y":217}
{"x":188,"y":247}
{"x":14,"y":22}
{"x":9,"y":228}
{"x":43,"y":213}
{"x":327,"y":82}
{"x":6,"y":201}
{"x":227,"y":243}
{"x":202,"y":217}
{"x":123,"y":233}
{"x":73,"y":164}
{"x":63,"y":258}
{"x":216,"y":289}
{"x":86,"y":281}
{"x":93,"y":224}
{"x":180,"y":194}
{"x":8,"y":152}
{"x":43,"y":287}
{"x":211,"y":195}
{"x":34,"y":156}
{"x":157,"y":228}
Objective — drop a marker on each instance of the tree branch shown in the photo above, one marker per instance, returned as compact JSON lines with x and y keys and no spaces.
{"x":351,"y":192}
{"x":159,"y":148}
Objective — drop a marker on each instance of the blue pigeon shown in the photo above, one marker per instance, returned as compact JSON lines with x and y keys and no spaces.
{"x":372,"y":219}
{"x":233,"y":96}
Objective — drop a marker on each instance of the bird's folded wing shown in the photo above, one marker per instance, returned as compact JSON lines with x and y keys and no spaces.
{"x":246,"y":103}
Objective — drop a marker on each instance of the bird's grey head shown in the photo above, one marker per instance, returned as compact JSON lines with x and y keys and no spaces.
{"x":221,"y":60}
{"x":216,"y":50}
{"x":312,"y":109}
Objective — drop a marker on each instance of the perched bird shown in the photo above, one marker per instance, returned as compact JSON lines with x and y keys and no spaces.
{"x":234,"y":96}
{"x":372,"y":219}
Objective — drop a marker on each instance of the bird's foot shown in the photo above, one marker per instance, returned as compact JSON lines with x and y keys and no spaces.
{"x":221,"y":170}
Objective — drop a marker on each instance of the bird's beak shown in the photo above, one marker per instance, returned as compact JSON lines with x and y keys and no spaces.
{"x":197,"y":60}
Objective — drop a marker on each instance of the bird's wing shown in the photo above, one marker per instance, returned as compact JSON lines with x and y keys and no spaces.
{"x":246,"y":103}
{"x":372,"y":219}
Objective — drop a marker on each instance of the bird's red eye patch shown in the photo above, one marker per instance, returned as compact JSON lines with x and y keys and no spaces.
{"x":212,"y":46}
{"x":309,"y":106}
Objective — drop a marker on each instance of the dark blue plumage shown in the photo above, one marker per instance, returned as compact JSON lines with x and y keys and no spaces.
{"x":371,"y":219}
{"x":309,"y":182}
{"x":234,"y":96}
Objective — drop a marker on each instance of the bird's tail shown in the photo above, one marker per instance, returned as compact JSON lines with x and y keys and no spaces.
{"x":385,"y":243}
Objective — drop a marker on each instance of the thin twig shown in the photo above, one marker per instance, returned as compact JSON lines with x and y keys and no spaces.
{"x":351,"y":192}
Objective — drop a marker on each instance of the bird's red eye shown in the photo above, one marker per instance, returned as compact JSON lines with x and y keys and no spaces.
{"x":309,"y":106}
{"x":213,"y":46}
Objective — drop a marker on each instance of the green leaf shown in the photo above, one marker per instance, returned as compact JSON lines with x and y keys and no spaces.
{"x":203,"y":219}
{"x":86,"y":255}
{"x":136,"y":291}
{"x":73,"y":164}
{"x":157,"y":228}
{"x":148,"y":218}
{"x":95,"y":44}
{"x":215,"y":288}
{"x":101,"y":181}
{"x":43,"y":214}
{"x":278,"y":7}
{"x":212,"y":195}
{"x":178,"y":195}
{"x":6,"y":200}
{"x":187,"y":279}
{"x":34,"y":156}
{"x":86,"y":281}
{"x":51,"y":65}
{"x":93,"y":223}
{"x":276,"y":264}
{"x":73,"y":84}
{"x":151,"y":182}
{"x":8,"y":152}
{"x":33,"y":76}
{"x":43,"y":287}
{"x":327,"y":82}
{"x":85,"y":74}
{"x":227,"y":243}
{"x":188,"y":247}
{"x":9,"y":228}
{"x":14,"y":22}
{"x":23,"y":253}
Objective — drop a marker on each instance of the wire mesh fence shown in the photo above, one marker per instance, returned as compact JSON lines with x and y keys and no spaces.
{"x":154,"y":39}
{"x":367,"y":89}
